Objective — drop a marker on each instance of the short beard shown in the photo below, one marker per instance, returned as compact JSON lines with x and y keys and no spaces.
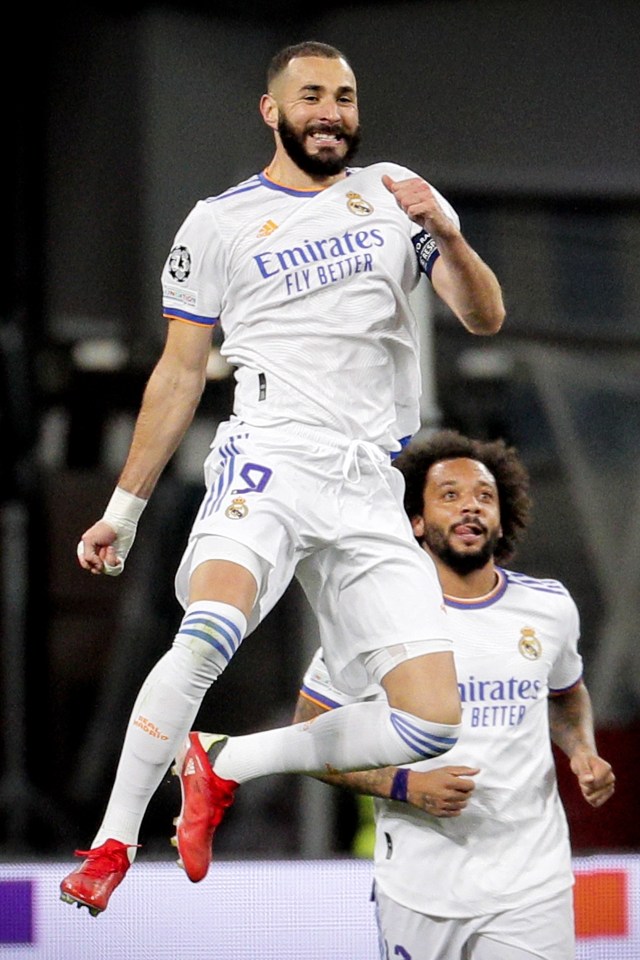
{"x":461,"y":563}
{"x":317,"y":166}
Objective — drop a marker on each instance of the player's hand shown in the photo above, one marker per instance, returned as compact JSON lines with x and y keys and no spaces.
{"x":97,"y":550}
{"x":105,"y":546}
{"x":418,"y":201}
{"x":444,"y":792}
{"x":595,"y":778}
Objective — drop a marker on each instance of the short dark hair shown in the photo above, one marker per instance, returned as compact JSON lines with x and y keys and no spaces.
{"x":308,"y":48}
{"x":502,"y":461}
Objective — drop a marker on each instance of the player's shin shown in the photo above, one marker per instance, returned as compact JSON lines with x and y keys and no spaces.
{"x":165,"y":710}
{"x":355,"y":737}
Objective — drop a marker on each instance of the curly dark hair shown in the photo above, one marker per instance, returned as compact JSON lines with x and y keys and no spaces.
{"x":502,"y":461}
{"x":308,"y":48}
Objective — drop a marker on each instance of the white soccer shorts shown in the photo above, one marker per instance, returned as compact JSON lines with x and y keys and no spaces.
{"x":308,"y":502}
{"x":538,"y":931}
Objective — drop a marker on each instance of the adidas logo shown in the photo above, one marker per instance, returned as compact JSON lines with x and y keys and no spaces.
{"x":190,"y":768}
{"x":267,"y":228}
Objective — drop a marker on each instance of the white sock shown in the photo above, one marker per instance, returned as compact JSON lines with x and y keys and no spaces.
{"x":358,"y":736}
{"x":164,"y":712}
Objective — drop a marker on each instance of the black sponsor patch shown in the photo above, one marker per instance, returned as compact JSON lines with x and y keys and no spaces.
{"x":426,"y":251}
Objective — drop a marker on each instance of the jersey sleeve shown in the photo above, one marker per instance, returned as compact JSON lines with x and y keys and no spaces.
{"x":317,"y":686}
{"x":425,"y":246}
{"x":567,"y":668}
{"x":193,"y":274}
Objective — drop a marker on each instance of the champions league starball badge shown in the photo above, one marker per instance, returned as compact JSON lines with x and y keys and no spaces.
{"x":180,"y":264}
{"x":358,"y":205}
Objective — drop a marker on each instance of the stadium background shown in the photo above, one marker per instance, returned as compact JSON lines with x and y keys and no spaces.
{"x":527,"y":117}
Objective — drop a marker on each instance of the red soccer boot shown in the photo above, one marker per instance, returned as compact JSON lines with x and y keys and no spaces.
{"x":94,"y":881}
{"x":205,"y":797}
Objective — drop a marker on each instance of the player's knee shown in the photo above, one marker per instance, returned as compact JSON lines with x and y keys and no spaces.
{"x":228,"y":571}
{"x":211,"y":632}
{"x":423,"y":685}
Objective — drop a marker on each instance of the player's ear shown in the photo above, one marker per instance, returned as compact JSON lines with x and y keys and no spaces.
{"x":269,"y":110}
{"x":417,"y":525}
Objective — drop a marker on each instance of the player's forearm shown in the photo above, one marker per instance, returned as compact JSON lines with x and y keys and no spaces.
{"x":373,"y":783}
{"x":469,"y":287}
{"x":571,"y":721}
{"x":170,"y":400}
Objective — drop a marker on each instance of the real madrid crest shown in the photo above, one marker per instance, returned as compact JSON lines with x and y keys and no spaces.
{"x":237,"y":509}
{"x":529,"y":645}
{"x":358,"y":205}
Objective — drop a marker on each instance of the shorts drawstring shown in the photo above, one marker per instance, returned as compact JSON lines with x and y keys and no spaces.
{"x":373,"y":453}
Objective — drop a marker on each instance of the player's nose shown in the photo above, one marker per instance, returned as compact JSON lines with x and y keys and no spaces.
{"x":329,"y":111}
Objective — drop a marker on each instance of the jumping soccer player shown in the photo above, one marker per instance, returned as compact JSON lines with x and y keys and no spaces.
{"x":307,"y":266}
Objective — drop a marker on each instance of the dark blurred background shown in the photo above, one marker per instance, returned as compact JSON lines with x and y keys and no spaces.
{"x":527,"y":117}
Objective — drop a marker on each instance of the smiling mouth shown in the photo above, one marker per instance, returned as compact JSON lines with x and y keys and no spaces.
{"x":325,"y":138}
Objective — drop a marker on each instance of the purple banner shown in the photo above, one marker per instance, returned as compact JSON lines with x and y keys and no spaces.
{"x":16,"y":911}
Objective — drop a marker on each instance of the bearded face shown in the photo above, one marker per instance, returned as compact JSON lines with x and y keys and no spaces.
{"x":319,"y":148}
{"x":461,"y":559}
{"x":460,"y":521}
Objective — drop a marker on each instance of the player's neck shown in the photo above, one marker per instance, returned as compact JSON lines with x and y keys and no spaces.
{"x":284,"y":171}
{"x":468,"y":586}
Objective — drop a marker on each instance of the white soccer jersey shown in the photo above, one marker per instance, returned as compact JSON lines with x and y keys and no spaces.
{"x":510,"y":846}
{"x":310,"y":288}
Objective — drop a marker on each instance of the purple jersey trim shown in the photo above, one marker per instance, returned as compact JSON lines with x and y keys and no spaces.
{"x":251,"y":184}
{"x":272,"y":185}
{"x":487,"y":601}
{"x":170,"y":313}
{"x":320,"y":699}
{"x":553,"y":692}
{"x":403,"y":441}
